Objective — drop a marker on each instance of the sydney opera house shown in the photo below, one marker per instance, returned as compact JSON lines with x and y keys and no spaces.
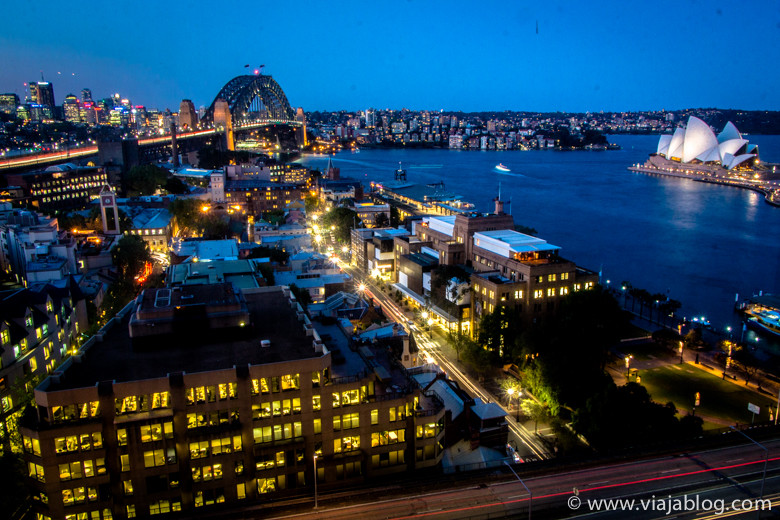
{"x":697,"y":143}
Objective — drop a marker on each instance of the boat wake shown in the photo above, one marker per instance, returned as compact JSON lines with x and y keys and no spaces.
{"x":509,"y":174}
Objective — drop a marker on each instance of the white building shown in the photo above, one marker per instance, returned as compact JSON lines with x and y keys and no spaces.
{"x":31,"y":246}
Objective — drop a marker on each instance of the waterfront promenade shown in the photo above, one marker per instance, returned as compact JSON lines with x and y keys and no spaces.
{"x":770,"y":189}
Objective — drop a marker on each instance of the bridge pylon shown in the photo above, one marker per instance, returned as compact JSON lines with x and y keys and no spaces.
{"x":223,"y":119}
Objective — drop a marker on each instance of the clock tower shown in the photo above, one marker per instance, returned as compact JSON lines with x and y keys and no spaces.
{"x":109,"y":211}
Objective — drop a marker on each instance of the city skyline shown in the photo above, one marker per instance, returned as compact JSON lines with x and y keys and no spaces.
{"x":416,"y":55}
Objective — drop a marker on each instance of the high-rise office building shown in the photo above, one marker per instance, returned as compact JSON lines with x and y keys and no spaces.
{"x":86,"y":95}
{"x":42,"y":93}
{"x":9,"y":103}
{"x":70,"y":109}
{"x":370,"y":118}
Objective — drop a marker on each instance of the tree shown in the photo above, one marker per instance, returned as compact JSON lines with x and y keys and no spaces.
{"x":302,"y":295}
{"x":13,"y":493}
{"x":395,"y":217}
{"x":343,"y":220}
{"x":587,"y":324}
{"x":534,"y":411}
{"x":641,"y":295}
{"x":478,"y":358}
{"x":213,"y":227}
{"x":129,"y":257}
{"x":175,"y":186}
{"x":186,"y":213}
{"x":381,"y":221}
{"x":624,"y":416}
{"x":312,"y":203}
{"x":145,"y":179}
{"x":526,"y":230}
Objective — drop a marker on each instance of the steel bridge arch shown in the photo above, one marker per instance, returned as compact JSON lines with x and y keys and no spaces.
{"x":241,"y":91}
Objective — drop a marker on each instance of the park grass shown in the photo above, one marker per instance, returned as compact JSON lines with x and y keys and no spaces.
{"x":721,"y":400}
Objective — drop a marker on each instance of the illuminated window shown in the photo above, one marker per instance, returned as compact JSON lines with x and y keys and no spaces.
{"x":538,"y":293}
{"x":35,"y":471}
{"x":266,"y":485}
{"x":551,"y":291}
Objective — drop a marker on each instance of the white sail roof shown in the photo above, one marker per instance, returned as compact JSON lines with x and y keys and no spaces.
{"x":699,"y":139}
{"x":663,"y":144}
{"x":676,"y":144}
{"x":735,"y":161}
{"x":729,"y":132}
{"x":731,"y":146}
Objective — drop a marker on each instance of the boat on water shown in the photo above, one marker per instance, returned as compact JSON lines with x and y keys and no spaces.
{"x":763,"y":313}
{"x":767,"y":320}
{"x":500,"y":167}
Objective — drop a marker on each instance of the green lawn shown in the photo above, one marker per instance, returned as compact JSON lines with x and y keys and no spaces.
{"x":719,"y":399}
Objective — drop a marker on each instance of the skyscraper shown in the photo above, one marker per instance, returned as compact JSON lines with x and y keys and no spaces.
{"x":370,"y":118}
{"x":86,"y":95}
{"x":70,"y":109}
{"x":9,"y":103}
{"x":42,"y":93}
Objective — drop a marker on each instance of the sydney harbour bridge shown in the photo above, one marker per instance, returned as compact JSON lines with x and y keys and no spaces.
{"x":245,"y":104}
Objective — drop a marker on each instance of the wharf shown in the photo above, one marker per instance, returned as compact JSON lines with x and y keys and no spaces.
{"x":771,"y":192}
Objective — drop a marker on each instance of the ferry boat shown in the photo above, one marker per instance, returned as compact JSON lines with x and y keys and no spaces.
{"x":763,"y":312}
{"x":500,"y":167}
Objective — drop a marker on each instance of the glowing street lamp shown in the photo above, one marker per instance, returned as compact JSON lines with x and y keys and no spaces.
{"x":511,"y":392}
{"x":628,"y":365}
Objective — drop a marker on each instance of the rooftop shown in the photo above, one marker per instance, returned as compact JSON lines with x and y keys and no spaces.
{"x":507,"y":242}
{"x":242,"y":273}
{"x":207,"y":250}
{"x":272,"y":318}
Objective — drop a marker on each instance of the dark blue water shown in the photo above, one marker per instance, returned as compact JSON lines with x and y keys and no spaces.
{"x":699,"y":243}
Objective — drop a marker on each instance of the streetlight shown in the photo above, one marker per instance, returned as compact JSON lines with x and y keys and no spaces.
{"x":628,"y":365}
{"x":766,"y":459}
{"x":681,"y":352}
{"x":315,"y":481}
{"x":511,"y":392}
{"x":430,"y":327}
{"x":530,"y":495}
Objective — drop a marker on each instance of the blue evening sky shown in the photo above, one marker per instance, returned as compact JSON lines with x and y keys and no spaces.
{"x":418,"y":54}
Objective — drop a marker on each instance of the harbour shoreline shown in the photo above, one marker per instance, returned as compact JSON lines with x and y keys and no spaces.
{"x":771,"y":195}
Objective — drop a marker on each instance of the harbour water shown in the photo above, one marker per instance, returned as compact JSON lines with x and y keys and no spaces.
{"x":699,"y":243}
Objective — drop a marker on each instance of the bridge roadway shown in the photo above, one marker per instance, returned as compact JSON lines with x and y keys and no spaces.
{"x":663,"y":483}
{"x":49,"y":158}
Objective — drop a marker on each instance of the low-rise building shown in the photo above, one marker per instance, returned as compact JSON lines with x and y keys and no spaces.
{"x":64,"y":186}
{"x":32,"y":248}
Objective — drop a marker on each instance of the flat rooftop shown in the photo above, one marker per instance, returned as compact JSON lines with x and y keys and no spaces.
{"x":272,"y":319}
